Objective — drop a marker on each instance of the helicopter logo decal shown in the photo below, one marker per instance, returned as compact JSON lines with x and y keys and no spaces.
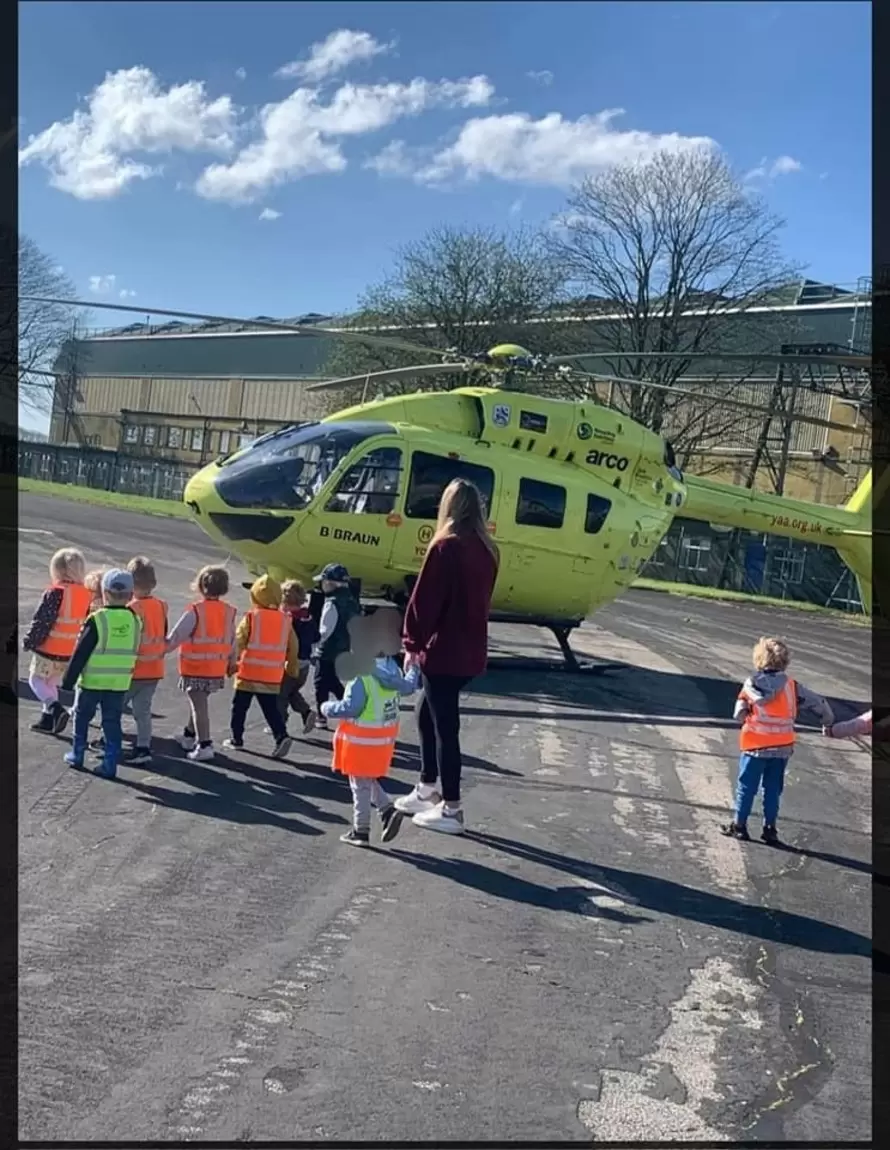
{"x":500,"y":415}
{"x":345,"y":536}
{"x":611,"y":462}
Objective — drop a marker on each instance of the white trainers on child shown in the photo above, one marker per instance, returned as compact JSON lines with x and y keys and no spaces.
{"x":422,"y":798}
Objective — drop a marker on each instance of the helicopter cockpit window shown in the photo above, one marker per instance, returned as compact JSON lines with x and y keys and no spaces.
{"x":540,"y":504}
{"x":371,"y":485}
{"x":288,"y":468}
{"x":598,"y":510}
{"x":431,"y":474}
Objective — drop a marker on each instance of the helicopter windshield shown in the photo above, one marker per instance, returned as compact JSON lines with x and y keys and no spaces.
{"x":287,"y":469}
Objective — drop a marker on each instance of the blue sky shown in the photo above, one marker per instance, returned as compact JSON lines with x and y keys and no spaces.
{"x":416,"y":114}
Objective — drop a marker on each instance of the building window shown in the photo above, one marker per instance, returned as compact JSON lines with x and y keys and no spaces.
{"x":695,"y":554}
{"x":224,"y":439}
{"x":197,"y":439}
{"x":370,"y":486}
{"x":174,"y":437}
{"x":131,"y":433}
{"x":149,"y":435}
{"x":431,"y":474}
{"x":598,"y":510}
{"x":540,"y":504}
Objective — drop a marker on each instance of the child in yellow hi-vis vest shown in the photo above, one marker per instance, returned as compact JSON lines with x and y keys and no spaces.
{"x":368,"y":722}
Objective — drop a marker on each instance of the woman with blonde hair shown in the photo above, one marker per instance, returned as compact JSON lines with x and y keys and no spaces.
{"x":446,"y":634}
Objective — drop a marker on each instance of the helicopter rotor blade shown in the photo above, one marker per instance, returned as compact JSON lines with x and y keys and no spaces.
{"x":391,"y":343}
{"x":832,"y":358}
{"x":392,"y":376}
{"x":815,"y":420}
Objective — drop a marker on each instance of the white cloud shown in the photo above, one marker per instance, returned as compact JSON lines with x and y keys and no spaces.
{"x":241,"y":73}
{"x":334,"y":54}
{"x":783,"y":166}
{"x":129,"y":112}
{"x":299,"y":134}
{"x":101,"y":285}
{"x":393,"y":160}
{"x":270,"y":214}
{"x":549,"y":151}
{"x":544,"y":77}
{"x":126,"y":293}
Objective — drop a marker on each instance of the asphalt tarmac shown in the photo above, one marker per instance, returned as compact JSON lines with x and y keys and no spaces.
{"x":202,"y":959}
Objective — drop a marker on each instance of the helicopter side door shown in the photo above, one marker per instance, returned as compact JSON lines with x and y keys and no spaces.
{"x":429,"y":473}
{"x":356,"y":520}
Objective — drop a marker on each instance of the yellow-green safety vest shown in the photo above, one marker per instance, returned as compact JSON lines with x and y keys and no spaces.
{"x":381,"y":707}
{"x":110,"y":666}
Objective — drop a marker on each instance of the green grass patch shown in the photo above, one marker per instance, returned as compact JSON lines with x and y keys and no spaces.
{"x":692,"y":591}
{"x":97,"y":497}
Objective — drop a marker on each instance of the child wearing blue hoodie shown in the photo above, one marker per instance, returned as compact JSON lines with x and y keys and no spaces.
{"x":368,"y":727}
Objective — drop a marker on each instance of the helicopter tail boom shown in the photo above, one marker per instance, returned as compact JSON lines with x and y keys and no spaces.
{"x":846,"y":529}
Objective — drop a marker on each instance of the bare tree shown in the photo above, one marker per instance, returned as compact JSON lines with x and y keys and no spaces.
{"x":672,"y":252}
{"x":460,"y":288}
{"x":43,"y":329}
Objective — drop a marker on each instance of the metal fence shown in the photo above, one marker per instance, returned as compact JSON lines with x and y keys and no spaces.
{"x":691,"y":552}
{"x":108,"y":470}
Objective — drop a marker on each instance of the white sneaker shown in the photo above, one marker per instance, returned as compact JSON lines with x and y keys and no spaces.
{"x":187,"y":742}
{"x":414,"y":802}
{"x":201,"y":754}
{"x":441,"y":819}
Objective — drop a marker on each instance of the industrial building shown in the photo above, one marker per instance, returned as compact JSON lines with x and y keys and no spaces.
{"x":180,"y":394}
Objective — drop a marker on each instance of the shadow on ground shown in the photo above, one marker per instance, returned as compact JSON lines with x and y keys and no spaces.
{"x":645,"y":892}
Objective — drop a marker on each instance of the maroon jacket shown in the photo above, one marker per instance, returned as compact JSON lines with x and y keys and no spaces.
{"x":446,"y":621}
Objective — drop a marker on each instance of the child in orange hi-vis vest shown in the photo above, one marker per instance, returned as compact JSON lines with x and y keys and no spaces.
{"x":149,"y":670}
{"x":266,"y":651}
{"x":53,"y":634}
{"x":205,"y":636}
{"x":768,"y":705}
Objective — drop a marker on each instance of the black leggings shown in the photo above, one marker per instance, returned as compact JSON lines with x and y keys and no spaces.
{"x":438,"y":723}
{"x":326,"y":683}
{"x":241,"y":701}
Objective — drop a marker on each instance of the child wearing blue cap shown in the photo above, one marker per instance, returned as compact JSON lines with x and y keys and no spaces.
{"x":340,"y":605}
{"x":101,"y":669}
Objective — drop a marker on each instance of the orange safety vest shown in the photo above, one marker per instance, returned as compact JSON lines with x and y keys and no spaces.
{"x":73,"y":612}
{"x":364,"y":747}
{"x":206,"y":653}
{"x":770,"y":724}
{"x":263,"y":659}
{"x":152,"y":645}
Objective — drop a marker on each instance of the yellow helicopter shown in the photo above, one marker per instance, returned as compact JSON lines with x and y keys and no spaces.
{"x":579,"y":495}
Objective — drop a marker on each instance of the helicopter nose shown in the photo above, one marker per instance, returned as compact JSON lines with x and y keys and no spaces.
{"x":198,"y":488}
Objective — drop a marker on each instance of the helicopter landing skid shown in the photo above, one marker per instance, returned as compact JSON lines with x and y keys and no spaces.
{"x":570,"y":661}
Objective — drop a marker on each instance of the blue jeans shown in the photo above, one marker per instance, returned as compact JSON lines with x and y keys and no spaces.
{"x":755,"y":771}
{"x":112,"y":706}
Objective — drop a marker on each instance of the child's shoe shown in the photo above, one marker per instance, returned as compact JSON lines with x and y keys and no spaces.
{"x":97,"y":746}
{"x":107,"y":769}
{"x":202,"y":754}
{"x":233,"y":744}
{"x":73,"y":760}
{"x":392,"y":822}
{"x":186,"y":741}
{"x":321,"y":722}
{"x":309,"y":723}
{"x":44,"y":723}
{"x":356,"y":838}
{"x":736,"y":831}
{"x":282,"y":747}
{"x":138,"y":757}
{"x":769,"y":835}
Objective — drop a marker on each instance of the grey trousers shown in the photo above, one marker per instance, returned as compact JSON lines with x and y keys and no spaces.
{"x":365,"y":794}
{"x":140,"y":696}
